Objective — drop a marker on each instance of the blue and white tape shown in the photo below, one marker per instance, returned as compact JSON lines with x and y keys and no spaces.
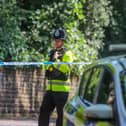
{"x":40,"y":63}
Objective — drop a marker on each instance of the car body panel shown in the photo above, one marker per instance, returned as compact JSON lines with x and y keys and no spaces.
{"x":77,"y":117}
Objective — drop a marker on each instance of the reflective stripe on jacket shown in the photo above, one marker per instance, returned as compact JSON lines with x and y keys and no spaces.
{"x":57,"y":85}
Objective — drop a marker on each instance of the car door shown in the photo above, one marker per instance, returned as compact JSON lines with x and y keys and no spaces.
{"x":106,"y":95}
{"x":87,"y":94}
{"x":73,"y":104}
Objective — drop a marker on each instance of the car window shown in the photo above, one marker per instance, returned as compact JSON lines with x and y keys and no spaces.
{"x":91,"y":86}
{"x":84,"y":80}
{"x":105,"y":92}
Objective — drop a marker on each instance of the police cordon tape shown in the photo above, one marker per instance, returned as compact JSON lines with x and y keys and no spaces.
{"x":40,"y":63}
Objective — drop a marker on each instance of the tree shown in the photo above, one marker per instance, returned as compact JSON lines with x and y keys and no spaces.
{"x":116,"y":31}
{"x":12,"y":41}
{"x":98,"y":17}
{"x":89,"y":25}
{"x":40,"y":23}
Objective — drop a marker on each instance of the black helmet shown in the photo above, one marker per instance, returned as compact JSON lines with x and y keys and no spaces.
{"x":59,"y":34}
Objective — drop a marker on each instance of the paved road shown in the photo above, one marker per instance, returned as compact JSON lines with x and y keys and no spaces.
{"x":20,"y":123}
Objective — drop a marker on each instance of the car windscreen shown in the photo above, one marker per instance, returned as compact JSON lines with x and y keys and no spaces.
{"x":123,"y":85}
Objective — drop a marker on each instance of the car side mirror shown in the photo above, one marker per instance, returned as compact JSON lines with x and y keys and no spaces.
{"x":100,"y":112}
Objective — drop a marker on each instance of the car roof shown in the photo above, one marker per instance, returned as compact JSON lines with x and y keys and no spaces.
{"x":120,"y":60}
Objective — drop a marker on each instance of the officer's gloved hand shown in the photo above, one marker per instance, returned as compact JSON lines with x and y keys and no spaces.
{"x":57,"y":55}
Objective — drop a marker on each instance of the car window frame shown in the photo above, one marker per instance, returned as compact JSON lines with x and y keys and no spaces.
{"x":90,"y":69}
{"x":121,"y":84}
{"x":114,"y":106}
{"x":80,"y":85}
{"x":100,"y":84}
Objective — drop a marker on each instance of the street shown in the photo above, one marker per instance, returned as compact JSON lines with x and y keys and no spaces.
{"x":20,"y":123}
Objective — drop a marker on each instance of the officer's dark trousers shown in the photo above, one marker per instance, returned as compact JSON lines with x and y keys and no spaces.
{"x":52,"y":100}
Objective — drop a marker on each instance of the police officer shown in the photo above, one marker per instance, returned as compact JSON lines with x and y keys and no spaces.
{"x":58,"y":83}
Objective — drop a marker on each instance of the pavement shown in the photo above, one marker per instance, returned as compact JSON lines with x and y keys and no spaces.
{"x":21,"y":123}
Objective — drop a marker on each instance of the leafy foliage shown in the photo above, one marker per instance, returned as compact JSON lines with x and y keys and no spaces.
{"x":116,"y":31}
{"x":13,"y":45}
{"x":98,"y":15}
{"x":67,"y":14}
{"x":26,"y":27}
{"x":12,"y":40}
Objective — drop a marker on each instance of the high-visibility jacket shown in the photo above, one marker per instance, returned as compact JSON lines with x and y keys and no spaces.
{"x":58,"y":74}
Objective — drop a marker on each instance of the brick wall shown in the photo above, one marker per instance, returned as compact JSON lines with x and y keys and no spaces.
{"x":21,"y":91}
